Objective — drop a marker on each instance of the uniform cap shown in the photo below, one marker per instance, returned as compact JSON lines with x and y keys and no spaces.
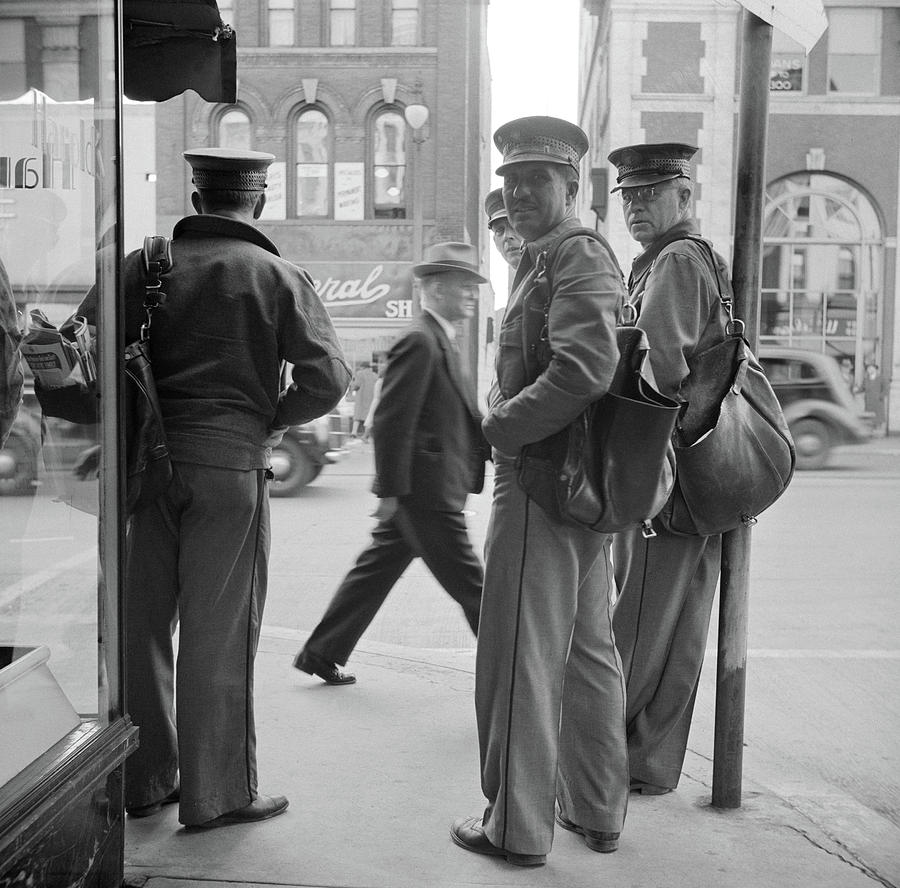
{"x":541,"y":139}
{"x":228,"y":169}
{"x":648,"y":164}
{"x":449,"y":256}
{"x":494,"y":206}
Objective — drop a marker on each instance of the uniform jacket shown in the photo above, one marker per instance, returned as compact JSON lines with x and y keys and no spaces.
{"x":234,"y":311}
{"x":426,"y":427}
{"x":677,"y":296}
{"x":586,"y":285}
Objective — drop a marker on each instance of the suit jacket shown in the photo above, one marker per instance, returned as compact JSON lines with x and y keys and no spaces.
{"x":427,"y":430}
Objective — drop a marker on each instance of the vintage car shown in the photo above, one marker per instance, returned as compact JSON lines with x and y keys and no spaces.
{"x":303,"y":452}
{"x":818,"y":405}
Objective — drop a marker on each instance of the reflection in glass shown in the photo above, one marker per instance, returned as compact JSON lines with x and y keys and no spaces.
{"x":58,"y":173}
{"x":389,"y":165}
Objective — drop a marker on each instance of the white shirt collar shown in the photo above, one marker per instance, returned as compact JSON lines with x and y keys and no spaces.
{"x":445,"y":325}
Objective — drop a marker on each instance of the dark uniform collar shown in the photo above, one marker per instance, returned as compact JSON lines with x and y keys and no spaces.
{"x":532,"y":248}
{"x":208,"y":225}
{"x":676,"y":232}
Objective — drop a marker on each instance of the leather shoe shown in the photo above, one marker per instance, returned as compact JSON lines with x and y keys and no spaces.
{"x":261,"y":808}
{"x":604,"y":842}
{"x":468,"y":833}
{"x":643,"y":788}
{"x":154,"y":807}
{"x":328,"y":672}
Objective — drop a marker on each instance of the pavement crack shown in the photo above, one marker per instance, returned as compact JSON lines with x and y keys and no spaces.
{"x":853,"y":862}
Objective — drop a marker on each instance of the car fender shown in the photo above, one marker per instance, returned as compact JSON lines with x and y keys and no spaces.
{"x":845,"y":424}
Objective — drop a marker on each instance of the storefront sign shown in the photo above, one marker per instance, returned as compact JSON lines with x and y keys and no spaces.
{"x":364,"y":289}
{"x":349,"y":191}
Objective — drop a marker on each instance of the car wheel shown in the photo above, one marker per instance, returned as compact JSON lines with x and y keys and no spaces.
{"x":812,"y":441}
{"x":18,"y":468}
{"x":292,"y":467}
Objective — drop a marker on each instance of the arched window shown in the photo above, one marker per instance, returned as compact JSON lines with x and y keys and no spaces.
{"x":823,"y":254}
{"x":388,"y":135}
{"x":312,"y":164}
{"x":234,"y":130}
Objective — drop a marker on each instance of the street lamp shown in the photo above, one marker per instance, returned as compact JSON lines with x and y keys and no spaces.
{"x":417,"y":116}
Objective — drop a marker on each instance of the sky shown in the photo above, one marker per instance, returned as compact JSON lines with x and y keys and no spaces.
{"x":533,"y":48}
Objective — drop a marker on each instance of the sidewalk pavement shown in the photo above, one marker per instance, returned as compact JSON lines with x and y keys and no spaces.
{"x":376,"y":772}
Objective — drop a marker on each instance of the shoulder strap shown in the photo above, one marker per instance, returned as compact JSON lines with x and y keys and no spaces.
{"x":157,"y":259}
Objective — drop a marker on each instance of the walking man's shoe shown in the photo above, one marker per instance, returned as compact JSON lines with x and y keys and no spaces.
{"x":604,"y":842}
{"x":261,"y":808}
{"x":154,"y":807}
{"x":330,"y":673}
{"x":468,"y":833}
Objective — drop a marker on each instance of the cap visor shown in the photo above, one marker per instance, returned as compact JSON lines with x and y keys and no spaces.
{"x":640,"y":179}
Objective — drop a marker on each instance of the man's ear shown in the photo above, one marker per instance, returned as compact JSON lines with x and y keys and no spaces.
{"x":196,"y":202}
{"x":260,"y":205}
{"x":571,"y":191}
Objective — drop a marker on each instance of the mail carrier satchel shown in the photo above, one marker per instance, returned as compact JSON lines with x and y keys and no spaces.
{"x":613,"y":467}
{"x":733,"y":450}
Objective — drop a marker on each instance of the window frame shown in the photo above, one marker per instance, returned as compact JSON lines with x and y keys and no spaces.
{"x":330,"y":10}
{"x":877,"y":15}
{"x":371,"y":164}
{"x":391,"y":9}
{"x":222,"y":114}
{"x":292,"y":4}
{"x":293,"y":209}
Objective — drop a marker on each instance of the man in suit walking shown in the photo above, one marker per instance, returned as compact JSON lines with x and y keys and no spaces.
{"x":429,"y":455}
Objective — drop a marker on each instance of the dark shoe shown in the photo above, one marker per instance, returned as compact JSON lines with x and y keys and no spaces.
{"x":648,"y":788}
{"x":468,"y":833}
{"x":328,"y":672}
{"x":155,"y":807}
{"x":261,"y":808}
{"x":604,"y":842}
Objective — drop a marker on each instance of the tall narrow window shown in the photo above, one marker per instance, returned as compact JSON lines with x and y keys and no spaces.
{"x":281,"y":22}
{"x":854,"y":51}
{"x":788,"y":64}
{"x":404,"y":22}
{"x":389,"y":165}
{"x":342,"y":22}
{"x":234,"y":130}
{"x":312,"y":146}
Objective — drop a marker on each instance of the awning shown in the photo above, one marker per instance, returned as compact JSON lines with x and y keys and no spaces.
{"x":175,"y":45}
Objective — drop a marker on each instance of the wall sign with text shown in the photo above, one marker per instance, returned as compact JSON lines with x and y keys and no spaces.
{"x":364,"y":289}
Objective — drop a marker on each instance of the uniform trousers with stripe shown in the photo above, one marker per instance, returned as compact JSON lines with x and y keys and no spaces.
{"x":549,"y":691}
{"x":666,"y":589}
{"x":198,"y":560}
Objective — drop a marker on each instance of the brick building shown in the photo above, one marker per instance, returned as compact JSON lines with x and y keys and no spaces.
{"x":654,"y":72}
{"x":354,"y":191}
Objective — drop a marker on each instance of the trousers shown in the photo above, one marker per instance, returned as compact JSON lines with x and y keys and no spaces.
{"x":197,"y":559}
{"x":440,"y":539}
{"x":661,"y":618}
{"x":549,"y":691}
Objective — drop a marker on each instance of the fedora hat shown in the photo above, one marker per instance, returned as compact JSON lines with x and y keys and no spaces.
{"x":542,"y":139}
{"x":229,"y":169}
{"x":639,"y":165}
{"x":449,"y":256}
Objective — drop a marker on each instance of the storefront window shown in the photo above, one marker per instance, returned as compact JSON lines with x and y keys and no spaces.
{"x":58,"y":240}
{"x":820,"y":281}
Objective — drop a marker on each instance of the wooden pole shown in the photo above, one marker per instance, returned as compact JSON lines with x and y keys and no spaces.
{"x":734,"y":588}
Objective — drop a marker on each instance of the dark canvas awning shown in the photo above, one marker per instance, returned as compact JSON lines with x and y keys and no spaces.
{"x":174,"y":45}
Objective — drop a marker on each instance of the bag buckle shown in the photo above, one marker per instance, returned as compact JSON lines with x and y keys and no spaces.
{"x":647,"y":531}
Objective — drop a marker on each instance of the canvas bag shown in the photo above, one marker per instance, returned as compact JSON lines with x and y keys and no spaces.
{"x":613,"y":467}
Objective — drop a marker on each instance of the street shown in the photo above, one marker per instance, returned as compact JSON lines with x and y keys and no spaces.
{"x":823,"y":709}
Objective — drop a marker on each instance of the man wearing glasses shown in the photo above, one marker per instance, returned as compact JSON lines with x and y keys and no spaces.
{"x":667,"y":583}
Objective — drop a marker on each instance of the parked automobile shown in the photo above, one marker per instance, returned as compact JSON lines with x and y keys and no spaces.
{"x":818,"y":405}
